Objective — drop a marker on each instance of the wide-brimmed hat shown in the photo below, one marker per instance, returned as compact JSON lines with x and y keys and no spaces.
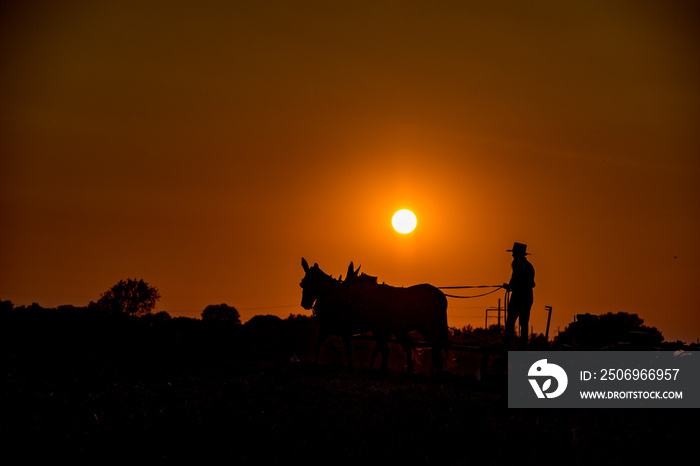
{"x":519,"y":248}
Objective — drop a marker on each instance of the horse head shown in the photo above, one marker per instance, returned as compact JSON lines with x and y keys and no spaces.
{"x":315,"y":285}
{"x":356,"y":280}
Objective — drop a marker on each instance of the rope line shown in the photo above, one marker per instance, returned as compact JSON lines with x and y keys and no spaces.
{"x":474,"y":296}
{"x":474,"y":286}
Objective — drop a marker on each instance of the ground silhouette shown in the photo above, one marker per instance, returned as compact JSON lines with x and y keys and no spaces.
{"x":96,"y":386}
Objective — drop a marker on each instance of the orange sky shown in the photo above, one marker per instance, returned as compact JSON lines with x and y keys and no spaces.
{"x":207,"y":146}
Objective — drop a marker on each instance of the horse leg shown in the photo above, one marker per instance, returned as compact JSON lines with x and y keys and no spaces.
{"x":379,"y":340}
{"x":347,"y":344}
{"x":320,"y":340}
{"x":375,"y":353}
{"x":385,"y":356}
{"x":382,"y":348}
{"x":407,"y":345}
{"x":437,"y":346}
{"x":436,"y":359}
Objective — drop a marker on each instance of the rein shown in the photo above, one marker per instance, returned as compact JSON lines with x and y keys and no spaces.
{"x":497,"y":287}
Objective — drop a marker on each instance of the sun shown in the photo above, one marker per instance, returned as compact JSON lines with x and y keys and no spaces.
{"x":404,"y":221}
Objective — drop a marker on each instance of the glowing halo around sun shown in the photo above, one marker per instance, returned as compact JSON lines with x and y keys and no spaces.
{"x":404,"y":221}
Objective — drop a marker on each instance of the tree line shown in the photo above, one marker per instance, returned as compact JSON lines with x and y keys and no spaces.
{"x":138,"y":299}
{"x":135,"y":297}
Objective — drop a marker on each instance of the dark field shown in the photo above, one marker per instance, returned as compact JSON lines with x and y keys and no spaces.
{"x":97,"y":388}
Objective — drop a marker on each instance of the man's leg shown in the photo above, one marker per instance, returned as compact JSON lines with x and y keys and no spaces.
{"x":525,"y":321}
{"x":509,"y":330}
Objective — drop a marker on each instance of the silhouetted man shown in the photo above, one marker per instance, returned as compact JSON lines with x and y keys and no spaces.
{"x":520,"y":286}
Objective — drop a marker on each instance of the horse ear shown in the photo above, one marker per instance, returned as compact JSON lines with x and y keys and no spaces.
{"x":351,"y":270}
{"x":305,"y":264}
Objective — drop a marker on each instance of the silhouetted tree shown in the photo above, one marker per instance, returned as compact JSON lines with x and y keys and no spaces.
{"x":6,"y":306}
{"x":265,"y":332}
{"x":34,"y":307}
{"x":591,"y":332}
{"x":221,"y":313}
{"x":132,"y":297}
{"x":156,"y":318}
{"x":469,"y":335}
{"x":162,"y":315}
{"x":265,"y":324}
{"x":538,"y":343}
{"x":301,"y":332}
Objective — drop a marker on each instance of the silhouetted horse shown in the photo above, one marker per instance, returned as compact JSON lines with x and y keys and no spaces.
{"x":360,"y":305}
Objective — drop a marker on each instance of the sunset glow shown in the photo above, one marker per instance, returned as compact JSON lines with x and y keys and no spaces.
{"x":252,"y":231}
{"x":206,"y":148}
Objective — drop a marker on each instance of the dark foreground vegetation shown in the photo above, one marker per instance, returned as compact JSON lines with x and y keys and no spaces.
{"x":78,"y":384}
